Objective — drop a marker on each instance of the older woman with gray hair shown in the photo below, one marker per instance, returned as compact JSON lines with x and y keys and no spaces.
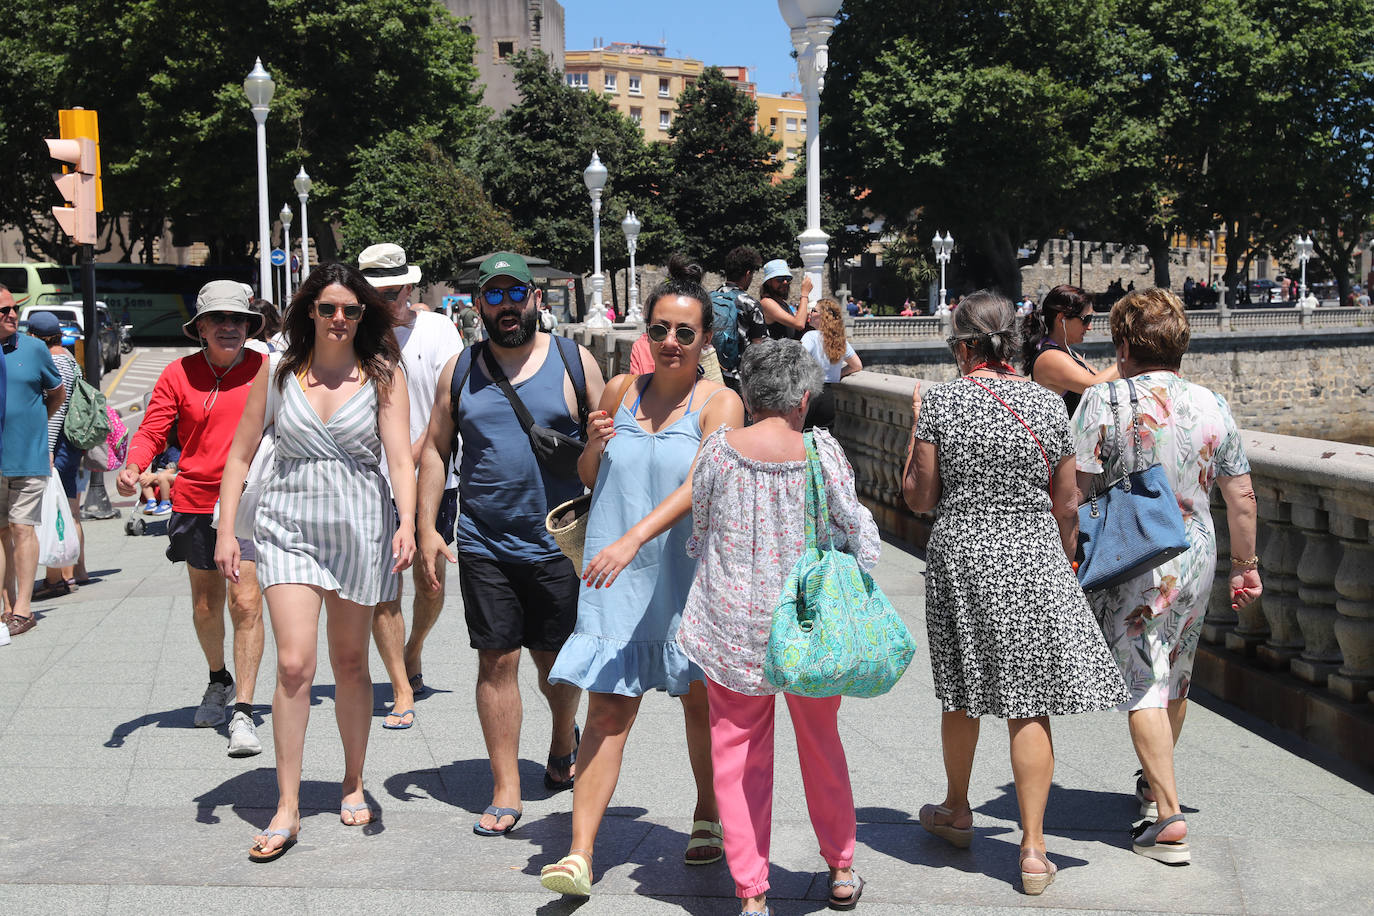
{"x":1010,"y":632}
{"x":748,"y":515}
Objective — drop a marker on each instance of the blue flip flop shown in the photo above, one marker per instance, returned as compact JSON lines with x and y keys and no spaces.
{"x":400,"y":715}
{"x":478,"y":829}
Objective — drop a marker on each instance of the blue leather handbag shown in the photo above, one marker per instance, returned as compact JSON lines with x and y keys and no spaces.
{"x":834,"y":631}
{"x":1134,"y":524}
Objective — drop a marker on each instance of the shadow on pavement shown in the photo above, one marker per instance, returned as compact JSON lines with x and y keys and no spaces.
{"x":252,"y":797}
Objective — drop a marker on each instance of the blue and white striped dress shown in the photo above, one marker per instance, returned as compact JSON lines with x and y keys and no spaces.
{"x":326,"y":517}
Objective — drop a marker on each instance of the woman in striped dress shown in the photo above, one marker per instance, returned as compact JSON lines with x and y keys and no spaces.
{"x":326,"y":530}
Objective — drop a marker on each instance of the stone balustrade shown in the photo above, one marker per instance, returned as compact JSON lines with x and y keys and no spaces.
{"x":1261,"y":319}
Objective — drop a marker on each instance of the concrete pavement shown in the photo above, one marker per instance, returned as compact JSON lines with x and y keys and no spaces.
{"x":114,"y":804}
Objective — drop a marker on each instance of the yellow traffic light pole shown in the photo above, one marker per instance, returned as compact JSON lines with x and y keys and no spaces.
{"x":79,"y":183}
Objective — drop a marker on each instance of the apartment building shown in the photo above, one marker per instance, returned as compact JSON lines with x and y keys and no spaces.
{"x":639,"y":80}
{"x":783,"y":117}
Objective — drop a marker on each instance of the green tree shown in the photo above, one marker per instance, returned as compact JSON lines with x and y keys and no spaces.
{"x":176,"y":134}
{"x":408,"y":191}
{"x":721,"y":178}
{"x":531,"y":158}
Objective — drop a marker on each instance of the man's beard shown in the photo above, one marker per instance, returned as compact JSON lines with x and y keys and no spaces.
{"x":529,"y":323}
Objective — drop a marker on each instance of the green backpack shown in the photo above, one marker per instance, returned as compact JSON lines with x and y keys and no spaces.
{"x":86,"y":424}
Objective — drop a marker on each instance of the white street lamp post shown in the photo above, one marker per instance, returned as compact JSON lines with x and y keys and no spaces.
{"x":630,"y":225}
{"x":1304,"y":247}
{"x":259,"y":88}
{"x":812,"y":22}
{"x":943,"y":246}
{"x":302,"y":185}
{"x":595,"y":177}
{"x":285,"y":217}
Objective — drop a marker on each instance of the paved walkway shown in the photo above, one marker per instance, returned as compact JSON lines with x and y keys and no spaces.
{"x":114,"y":804}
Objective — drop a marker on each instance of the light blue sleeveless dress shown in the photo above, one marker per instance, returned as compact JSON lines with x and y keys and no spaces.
{"x":326,"y":517}
{"x":626,"y":636}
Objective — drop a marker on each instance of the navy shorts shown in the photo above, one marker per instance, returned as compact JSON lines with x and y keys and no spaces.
{"x":193,"y":540}
{"x":509,"y":605}
{"x":66,"y":461}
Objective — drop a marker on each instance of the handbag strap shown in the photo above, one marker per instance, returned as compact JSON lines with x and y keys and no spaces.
{"x":494,"y":369}
{"x":1139,"y":461}
{"x":273,"y":391}
{"x":1049,"y":472}
{"x":817,"y":507}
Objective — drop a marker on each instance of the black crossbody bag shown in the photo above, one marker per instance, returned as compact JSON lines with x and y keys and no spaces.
{"x":557,"y":452}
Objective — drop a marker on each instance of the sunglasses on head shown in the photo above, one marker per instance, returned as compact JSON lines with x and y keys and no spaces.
{"x":496,"y":295}
{"x":658,"y":333}
{"x":352,"y":311}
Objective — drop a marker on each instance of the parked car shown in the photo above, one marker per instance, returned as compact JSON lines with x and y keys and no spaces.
{"x":71,"y":314}
{"x":1260,"y":292}
{"x":36,"y":284}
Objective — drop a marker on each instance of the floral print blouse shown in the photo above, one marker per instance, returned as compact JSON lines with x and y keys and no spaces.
{"x":748,"y":531}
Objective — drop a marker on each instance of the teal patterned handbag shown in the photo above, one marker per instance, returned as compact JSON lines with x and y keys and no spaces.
{"x":834,"y":631}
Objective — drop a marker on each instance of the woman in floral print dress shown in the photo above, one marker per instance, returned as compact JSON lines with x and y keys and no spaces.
{"x":1152,"y":622}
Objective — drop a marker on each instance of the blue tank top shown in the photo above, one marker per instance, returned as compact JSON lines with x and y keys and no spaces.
{"x":504,"y":493}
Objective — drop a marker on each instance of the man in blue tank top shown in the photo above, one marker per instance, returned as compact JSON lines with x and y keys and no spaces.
{"x":519,"y":590}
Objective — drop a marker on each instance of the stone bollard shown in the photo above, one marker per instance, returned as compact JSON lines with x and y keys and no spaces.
{"x":1321,"y":557}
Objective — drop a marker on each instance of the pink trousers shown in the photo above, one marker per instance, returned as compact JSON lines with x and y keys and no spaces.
{"x":742,"y":755}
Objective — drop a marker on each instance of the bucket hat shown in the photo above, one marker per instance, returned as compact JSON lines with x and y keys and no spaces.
{"x":225,"y":296}
{"x":385,"y":265}
{"x":776,"y":268}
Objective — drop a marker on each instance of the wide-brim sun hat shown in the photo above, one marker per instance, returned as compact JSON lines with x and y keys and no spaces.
{"x":225,"y":296}
{"x":385,"y":265}
{"x":776,"y":268}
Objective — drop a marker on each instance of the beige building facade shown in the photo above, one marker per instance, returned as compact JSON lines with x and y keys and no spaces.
{"x":639,"y":81}
{"x":783,"y":117}
{"x":503,"y":28}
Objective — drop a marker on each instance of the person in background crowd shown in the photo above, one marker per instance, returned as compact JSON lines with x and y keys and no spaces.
{"x":782,"y":320}
{"x":908,"y":309}
{"x":427,"y":341}
{"x":833,"y":353}
{"x":203,"y":395}
{"x":1153,"y":622}
{"x":33,"y":393}
{"x":548,"y":321}
{"x":327,"y":531}
{"x":519,"y":590}
{"x":992,"y":455}
{"x":269,"y":338}
{"x":469,"y":324}
{"x":1046,"y":337}
{"x":156,"y":481}
{"x":748,"y":524}
{"x":739,"y":267}
{"x":66,"y":458}
{"x":638,"y":575}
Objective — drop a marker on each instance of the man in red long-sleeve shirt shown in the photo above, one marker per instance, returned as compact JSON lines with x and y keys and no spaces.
{"x":204,"y":394}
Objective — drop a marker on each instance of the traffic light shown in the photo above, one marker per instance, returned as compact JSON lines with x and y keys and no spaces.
{"x":80,"y":181}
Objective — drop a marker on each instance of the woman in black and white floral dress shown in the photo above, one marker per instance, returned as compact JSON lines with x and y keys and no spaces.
{"x":1010,"y":632}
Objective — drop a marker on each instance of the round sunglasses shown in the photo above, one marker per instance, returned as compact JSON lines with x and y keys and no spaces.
{"x":495,"y":295}
{"x":658,"y":333}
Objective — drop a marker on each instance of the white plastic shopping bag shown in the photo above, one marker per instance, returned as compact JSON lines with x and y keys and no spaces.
{"x":58,"y":544}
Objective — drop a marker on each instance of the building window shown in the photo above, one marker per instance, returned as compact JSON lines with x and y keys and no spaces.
{"x":772,"y":125}
{"x":637,"y":115}
{"x":803,"y":125}
{"x":791,"y":155}
{"x":663,"y":85}
{"x":664,"y":119}
{"x":577,"y":81}
{"x":608,"y":82}
{"x":504,"y":49}
{"x":792,"y":124}
{"x":634,"y":86}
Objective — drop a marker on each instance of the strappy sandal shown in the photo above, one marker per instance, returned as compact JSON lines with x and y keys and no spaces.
{"x":846,"y":903}
{"x":564,"y":762}
{"x":1033,"y":883}
{"x":571,"y":875}
{"x":1148,"y":806}
{"x":961,"y":837}
{"x":1145,"y":841}
{"x":260,"y":851}
{"x":715,"y":841}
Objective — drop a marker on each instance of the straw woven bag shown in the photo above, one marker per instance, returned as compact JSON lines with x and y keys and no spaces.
{"x":568,"y":525}
{"x":710,"y":366}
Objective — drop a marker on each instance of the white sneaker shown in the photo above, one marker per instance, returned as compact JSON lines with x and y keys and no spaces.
{"x":211,"y":712}
{"x":4,"y":636}
{"x":243,"y":736}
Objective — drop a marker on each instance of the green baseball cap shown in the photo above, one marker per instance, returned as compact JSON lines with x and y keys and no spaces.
{"x":504,"y":264}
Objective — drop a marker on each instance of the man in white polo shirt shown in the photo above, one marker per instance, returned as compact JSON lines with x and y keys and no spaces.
{"x":428,"y":341}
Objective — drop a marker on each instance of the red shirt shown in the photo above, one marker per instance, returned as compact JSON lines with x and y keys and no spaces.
{"x":206,"y":421}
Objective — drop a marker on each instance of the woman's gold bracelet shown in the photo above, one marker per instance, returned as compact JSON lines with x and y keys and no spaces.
{"x":1245,"y":563}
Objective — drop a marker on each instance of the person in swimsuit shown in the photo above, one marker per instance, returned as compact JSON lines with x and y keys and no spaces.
{"x":1048,"y":332}
{"x":638,"y":460}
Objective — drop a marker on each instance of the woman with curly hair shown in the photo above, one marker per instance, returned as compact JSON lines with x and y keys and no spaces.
{"x":326,"y":530}
{"x":834,"y":354}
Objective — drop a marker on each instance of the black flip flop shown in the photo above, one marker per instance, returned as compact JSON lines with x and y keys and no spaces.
{"x":563,"y":762}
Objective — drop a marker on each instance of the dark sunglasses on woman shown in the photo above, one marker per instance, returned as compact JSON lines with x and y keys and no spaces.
{"x":1086,"y":319}
{"x":351,"y":312}
{"x":496,"y":295}
{"x":659,"y":333}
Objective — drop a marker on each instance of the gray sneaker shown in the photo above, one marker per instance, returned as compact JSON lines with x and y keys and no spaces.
{"x":211,"y":711}
{"x":243,"y":736}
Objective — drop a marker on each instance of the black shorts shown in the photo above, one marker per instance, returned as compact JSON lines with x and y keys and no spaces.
{"x":509,"y":605}
{"x":193,"y":540}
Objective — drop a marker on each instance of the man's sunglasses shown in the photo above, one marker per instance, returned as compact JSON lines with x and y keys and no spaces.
{"x":391,"y":293}
{"x":658,"y":333}
{"x":227,"y":318}
{"x":8,"y":310}
{"x":496,"y":295}
{"x":351,"y":312}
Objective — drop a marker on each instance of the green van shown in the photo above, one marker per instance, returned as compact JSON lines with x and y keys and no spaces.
{"x":36,"y":283}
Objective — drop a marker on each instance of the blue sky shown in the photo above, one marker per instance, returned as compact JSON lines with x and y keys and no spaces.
{"x":750,"y":33}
